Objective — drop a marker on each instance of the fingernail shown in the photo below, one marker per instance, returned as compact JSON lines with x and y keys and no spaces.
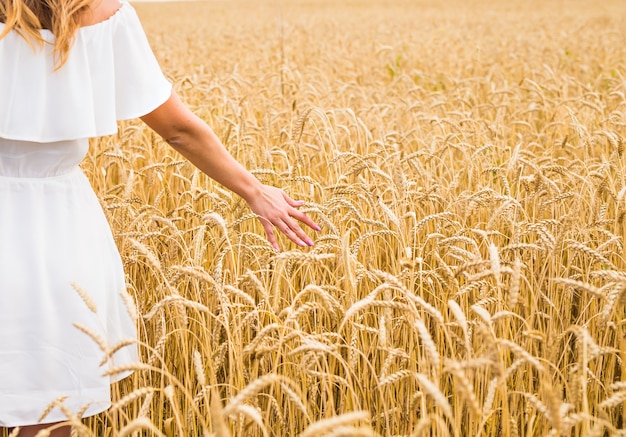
{"x":317,"y":228}
{"x":309,"y":242}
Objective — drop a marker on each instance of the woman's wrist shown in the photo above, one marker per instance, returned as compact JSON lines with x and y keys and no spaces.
{"x":250,"y":188}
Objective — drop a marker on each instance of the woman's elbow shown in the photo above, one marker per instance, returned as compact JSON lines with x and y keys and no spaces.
{"x":172,"y":120}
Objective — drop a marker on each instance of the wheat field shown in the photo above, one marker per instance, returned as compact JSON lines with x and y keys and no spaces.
{"x":465,"y":161}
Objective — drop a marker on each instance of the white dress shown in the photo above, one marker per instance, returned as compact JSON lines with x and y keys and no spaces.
{"x":53,"y":233}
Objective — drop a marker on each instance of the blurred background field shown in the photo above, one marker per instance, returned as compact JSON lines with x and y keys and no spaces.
{"x":465,"y":159}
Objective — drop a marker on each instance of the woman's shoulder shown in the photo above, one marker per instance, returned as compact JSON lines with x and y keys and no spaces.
{"x":100,"y":11}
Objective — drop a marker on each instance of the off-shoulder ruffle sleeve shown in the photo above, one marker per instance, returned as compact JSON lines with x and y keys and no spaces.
{"x":111,"y":74}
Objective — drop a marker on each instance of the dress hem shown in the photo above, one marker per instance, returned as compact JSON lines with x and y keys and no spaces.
{"x":57,"y":416}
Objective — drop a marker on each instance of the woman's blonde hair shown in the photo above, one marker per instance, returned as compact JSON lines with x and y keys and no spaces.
{"x":28,"y":17}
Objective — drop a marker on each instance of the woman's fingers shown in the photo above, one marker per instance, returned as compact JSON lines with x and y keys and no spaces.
{"x":289,"y":228}
{"x":293,"y":232}
{"x":296,"y":234}
{"x":269,"y":231}
{"x":291,"y":202}
{"x":300,"y":216}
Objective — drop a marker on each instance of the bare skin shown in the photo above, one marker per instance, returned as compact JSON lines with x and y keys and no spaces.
{"x":191,"y":136}
{"x":31,"y":431}
{"x":100,"y":10}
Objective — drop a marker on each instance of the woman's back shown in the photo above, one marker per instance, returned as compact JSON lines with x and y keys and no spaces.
{"x":110,"y":74}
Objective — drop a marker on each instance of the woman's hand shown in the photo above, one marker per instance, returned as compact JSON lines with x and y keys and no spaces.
{"x":275,"y":209}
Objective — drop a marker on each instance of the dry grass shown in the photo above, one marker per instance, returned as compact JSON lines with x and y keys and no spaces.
{"x":466,"y":162}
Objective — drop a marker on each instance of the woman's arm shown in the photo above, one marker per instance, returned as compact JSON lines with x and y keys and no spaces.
{"x":195,"y":140}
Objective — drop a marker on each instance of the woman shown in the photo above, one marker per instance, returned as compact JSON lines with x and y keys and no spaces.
{"x":69,"y":69}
